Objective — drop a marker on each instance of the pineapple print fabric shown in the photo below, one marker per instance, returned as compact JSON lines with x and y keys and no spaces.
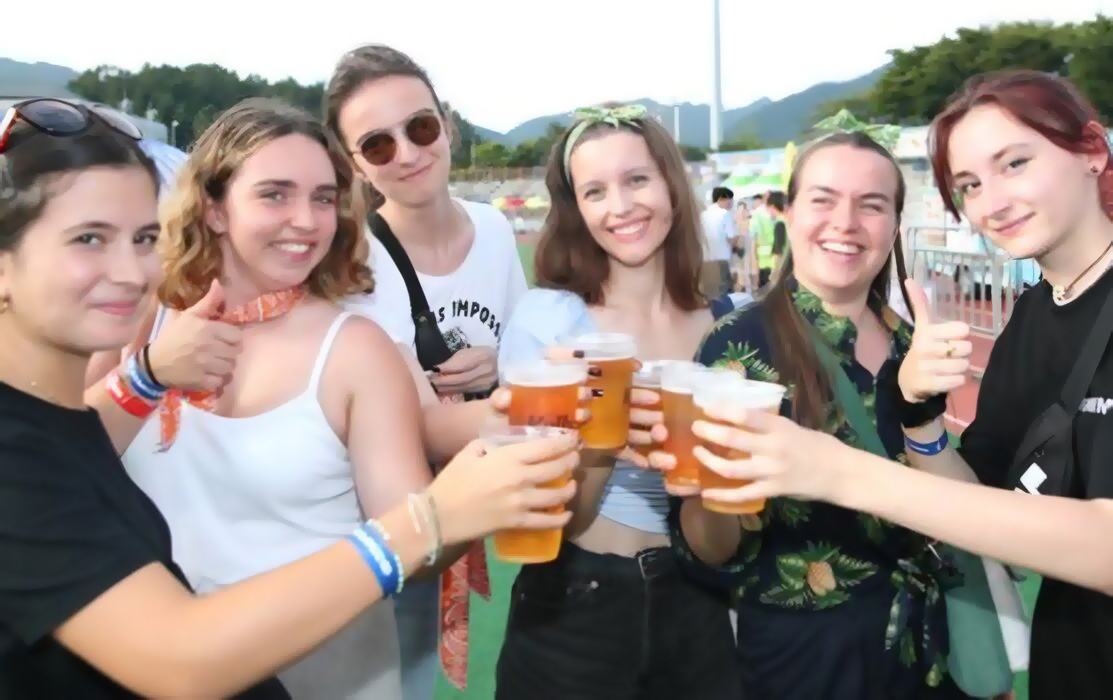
{"x":812,"y":556}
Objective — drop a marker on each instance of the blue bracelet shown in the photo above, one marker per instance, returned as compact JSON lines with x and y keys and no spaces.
{"x":139,"y":382}
{"x":372,"y":548}
{"x":927,"y":448}
{"x":385,"y":538}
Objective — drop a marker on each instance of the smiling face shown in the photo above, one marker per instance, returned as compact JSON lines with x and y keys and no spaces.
{"x":843,"y":220}
{"x":82,"y":271}
{"x":278,"y":217}
{"x":397,"y":116}
{"x":622,"y":195}
{"x":1017,"y":187}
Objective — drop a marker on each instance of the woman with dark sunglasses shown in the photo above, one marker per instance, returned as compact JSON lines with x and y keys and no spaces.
{"x":92,"y":605}
{"x":459,"y":258}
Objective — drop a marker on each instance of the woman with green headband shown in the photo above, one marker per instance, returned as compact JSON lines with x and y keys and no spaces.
{"x":831,"y":603}
{"x":621,"y":251}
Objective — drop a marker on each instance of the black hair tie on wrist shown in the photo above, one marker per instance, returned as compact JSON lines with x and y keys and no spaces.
{"x":911,"y":415}
{"x":145,"y":356}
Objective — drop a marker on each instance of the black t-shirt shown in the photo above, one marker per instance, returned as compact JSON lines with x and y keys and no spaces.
{"x":1072,"y":627}
{"x":72,"y":525}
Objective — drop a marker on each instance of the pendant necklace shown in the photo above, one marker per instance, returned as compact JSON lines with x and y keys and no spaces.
{"x":1063,"y":294}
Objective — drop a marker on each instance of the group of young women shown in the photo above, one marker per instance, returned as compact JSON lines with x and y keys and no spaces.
{"x":233,"y":504}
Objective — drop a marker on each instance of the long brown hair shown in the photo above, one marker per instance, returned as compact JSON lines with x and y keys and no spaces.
{"x":191,"y":253}
{"x":794,"y":354}
{"x":568,"y":258}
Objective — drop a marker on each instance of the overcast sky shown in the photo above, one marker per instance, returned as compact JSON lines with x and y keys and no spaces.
{"x":501,"y":62}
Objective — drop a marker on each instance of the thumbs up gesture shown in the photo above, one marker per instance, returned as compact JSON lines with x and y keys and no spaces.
{"x":196,"y":350}
{"x":939,"y":358}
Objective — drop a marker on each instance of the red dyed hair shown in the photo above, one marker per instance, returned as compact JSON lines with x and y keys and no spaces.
{"x":1044,"y":102}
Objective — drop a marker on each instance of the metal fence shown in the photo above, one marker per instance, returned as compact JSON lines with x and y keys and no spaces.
{"x":978,"y":287}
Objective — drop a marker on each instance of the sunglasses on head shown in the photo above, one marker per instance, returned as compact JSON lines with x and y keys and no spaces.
{"x":60,"y":118}
{"x":381,"y":147}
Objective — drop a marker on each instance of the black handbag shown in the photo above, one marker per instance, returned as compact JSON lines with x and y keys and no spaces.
{"x":1044,"y":461}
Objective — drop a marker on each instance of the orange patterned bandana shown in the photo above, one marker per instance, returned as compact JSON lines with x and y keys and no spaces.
{"x":265,"y":308}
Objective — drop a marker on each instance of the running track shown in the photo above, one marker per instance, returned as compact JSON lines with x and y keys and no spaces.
{"x":962,"y":403}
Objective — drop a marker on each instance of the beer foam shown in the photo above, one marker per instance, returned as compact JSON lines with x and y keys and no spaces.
{"x":686,"y":376}
{"x":606,"y":346}
{"x":746,"y":393}
{"x":544,"y":373}
{"x":523,"y":433}
{"x":652,"y":372}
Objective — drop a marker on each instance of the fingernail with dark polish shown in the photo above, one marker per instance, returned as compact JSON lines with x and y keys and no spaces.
{"x":596,"y":392}
{"x":595,"y":371}
{"x":577,"y":353}
{"x":437,"y":370}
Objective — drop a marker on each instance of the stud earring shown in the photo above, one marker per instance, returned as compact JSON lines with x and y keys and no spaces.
{"x":4,"y":304}
{"x":1094,"y":169}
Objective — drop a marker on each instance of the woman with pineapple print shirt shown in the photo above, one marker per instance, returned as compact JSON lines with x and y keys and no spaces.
{"x":832,"y":603}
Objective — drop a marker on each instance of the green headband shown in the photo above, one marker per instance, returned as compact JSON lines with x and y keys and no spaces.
{"x":844,"y":122}
{"x":626,"y":115}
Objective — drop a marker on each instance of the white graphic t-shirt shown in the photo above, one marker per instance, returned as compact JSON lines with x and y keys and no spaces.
{"x":471,"y":303}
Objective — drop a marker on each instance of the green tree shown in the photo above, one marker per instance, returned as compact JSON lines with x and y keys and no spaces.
{"x":1091,"y":56}
{"x":741,"y":142}
{"x":491,"y":154}
{"x":464,"y":138}
{"x":919,"y":81}
{"x":194,"y":95}
{"x":693,"y":154}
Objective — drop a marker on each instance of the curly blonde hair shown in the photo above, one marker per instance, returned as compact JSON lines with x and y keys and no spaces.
{"x":190,"y":251}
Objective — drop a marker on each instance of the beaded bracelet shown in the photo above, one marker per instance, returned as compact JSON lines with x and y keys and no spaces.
{"x":378,"y":528}
{"x":370,"y":541}
{"x":422,"y":509}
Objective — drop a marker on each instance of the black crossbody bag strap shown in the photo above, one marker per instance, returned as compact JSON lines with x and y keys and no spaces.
{"x":1077,"y":383}
{"x":429,"y":344}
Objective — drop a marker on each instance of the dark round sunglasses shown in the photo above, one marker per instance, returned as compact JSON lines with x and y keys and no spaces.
{"x":60,"y":118}
{"x":381,"y":147}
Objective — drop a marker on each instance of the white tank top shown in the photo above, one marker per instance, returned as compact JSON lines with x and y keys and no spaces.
{"x":247,"y":495}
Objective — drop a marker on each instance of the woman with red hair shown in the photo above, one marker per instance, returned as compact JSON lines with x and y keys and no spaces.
{"x":1024,"y":157}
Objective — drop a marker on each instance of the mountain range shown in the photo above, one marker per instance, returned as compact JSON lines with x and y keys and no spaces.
{"x":765,"y":120}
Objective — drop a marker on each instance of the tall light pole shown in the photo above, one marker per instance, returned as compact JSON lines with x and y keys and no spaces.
{"x":717,"y":89}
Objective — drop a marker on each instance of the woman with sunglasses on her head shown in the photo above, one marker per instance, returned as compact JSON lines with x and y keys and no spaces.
{"x":92,"y":604}
{"x":831,"y":603}
{"x":1023,"y":155}
{"x":620,"y":252}
{"x":458,"y":257}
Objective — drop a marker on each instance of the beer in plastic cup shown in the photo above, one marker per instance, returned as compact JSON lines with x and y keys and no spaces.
{"x":746,"y":394}
{"x":648,"y":377}
{"x":528,"y":546}
{"x":612,"y":354}
{"x":545,"y":392}
{"x":678,"y":383}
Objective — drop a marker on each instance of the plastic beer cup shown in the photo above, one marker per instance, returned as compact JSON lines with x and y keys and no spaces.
{"x":648,"y":377}
{"x":612,"y":356}
{"x":545,"y":392}
{"x":522,"y":546}
{"x":745,"y":394}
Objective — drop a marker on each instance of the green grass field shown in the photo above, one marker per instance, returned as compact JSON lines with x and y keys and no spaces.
{"x":488,"y":618}
{"x":525,"y":252}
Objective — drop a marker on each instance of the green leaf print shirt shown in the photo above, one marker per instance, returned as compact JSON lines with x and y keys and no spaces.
{"x":802,"y":556}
